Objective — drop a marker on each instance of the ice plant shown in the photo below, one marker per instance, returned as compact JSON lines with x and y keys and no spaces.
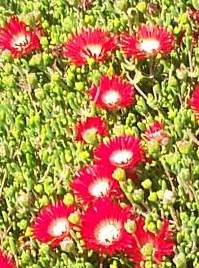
{"x":113,"y":93}
{"x":89,"y":43}
{"x":152,"y":246}
{"x":194,"y":101}
{"x":157,"y":133}
{"x":51,"y":225}
{"x":123,"y":151}
{"x":91,"y":127}
{"x":149,"y":41}
{"x":6,"y":261}
{"x":102,"y":227}
{"x":18,"y":38}
{"x":94,"y":182}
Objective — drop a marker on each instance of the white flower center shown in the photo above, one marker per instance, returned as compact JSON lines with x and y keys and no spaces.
{"x":121,"y":157}
{"x":111,"y":97}
{"x":94,"y":49}
{"x":148,"y":45}
{"x":107,"y":232}
{"x":20,"y":40}
{"x":99,"y":188}
{"x":58,"y":227}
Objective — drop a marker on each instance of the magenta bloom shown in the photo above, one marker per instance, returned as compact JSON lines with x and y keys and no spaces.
{"x":102,"y":227}
{"x":92,"y":125}
{"x":157,"y":133}
{"x":51,"y":225}
{"x":94,"y":43}
{"x":6,"y":261}
{"x":18,"y":38}
{"x":149,"y":40}
{"x":194,"y":101}
{"x":161,"y":244}
{"x":123,"y":151}
{"x":94,"y":182}
{"x":112,"y":93}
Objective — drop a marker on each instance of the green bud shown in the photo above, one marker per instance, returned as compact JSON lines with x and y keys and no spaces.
{"x":90,"y":136}
{"x":141,"y":7}
{"x":69,"y":199}
{"x":25,"y":257}
{"x":74,"y":217}
{"x":138,"y":195}
{"x":22,"y":224}
{"x":44,"y":42}
{"x":119,"y":174}
{"x":67,"y":245}
{"x":89,"y":19}
{"x":36,"y":60}
{"x":118,"y":130}
{"x":121,"y":4}
{"x":153,"y":197}
{"x":130,"y":226}
{"x":151,"y":227}
{"x":147,"y":250}
{"x":79,"y":86}
{"x":147,"y":184}
{"x":38,"y":188}
{"x":180,"y":260}
{"x":184,"y":146}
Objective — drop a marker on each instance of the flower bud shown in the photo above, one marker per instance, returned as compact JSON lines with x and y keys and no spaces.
{"x":147,"y":184}
{"x":180,"y":260}
{"x":138,"y":195}
{"x":119,"y":174}
{"x":169,"y":197}
{"x":67,"y":245}
{"x":69,"y":199}
{"x":141,"y":7}
{"x":130,"y":226}
{"x":74,"y":217}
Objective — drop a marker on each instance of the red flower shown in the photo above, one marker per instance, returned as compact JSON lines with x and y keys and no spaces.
{"x":51,"y":225}
{"x":94,"y":43}
{"x":153,"y":245}
{"x":6,"y":261}
{"x":17,"y":38}
{"x":94,"y":182}
{"x":102,"y":227}
{"x":194,"y":101}
{"x":157,"y":133}
{"x":124,"y":151}
{"x":149,"y":41}
{"x":112,"y":93}
{"x":92,"y":125}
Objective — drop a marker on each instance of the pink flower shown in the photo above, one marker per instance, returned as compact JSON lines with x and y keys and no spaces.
{"x":94,"y":182}
{"x":102,"y":227}
{"x":112,"y":93}
{"x":17,"y":38}
{"x":6,"y":261}
{"x":94,"y":43}
{"x":51,"y":225}
{"x":92,"y":125}
{"x":148,"y":41}
{"x":123,"y":151}
{"x":157,"y":133}
{"x":157,"y":245}
{"x":194,"y":101}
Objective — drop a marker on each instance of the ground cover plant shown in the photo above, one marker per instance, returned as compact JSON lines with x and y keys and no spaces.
{"x":99,"y":158}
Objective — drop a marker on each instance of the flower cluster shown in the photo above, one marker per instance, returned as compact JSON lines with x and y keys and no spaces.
{"x":100,"y":215}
